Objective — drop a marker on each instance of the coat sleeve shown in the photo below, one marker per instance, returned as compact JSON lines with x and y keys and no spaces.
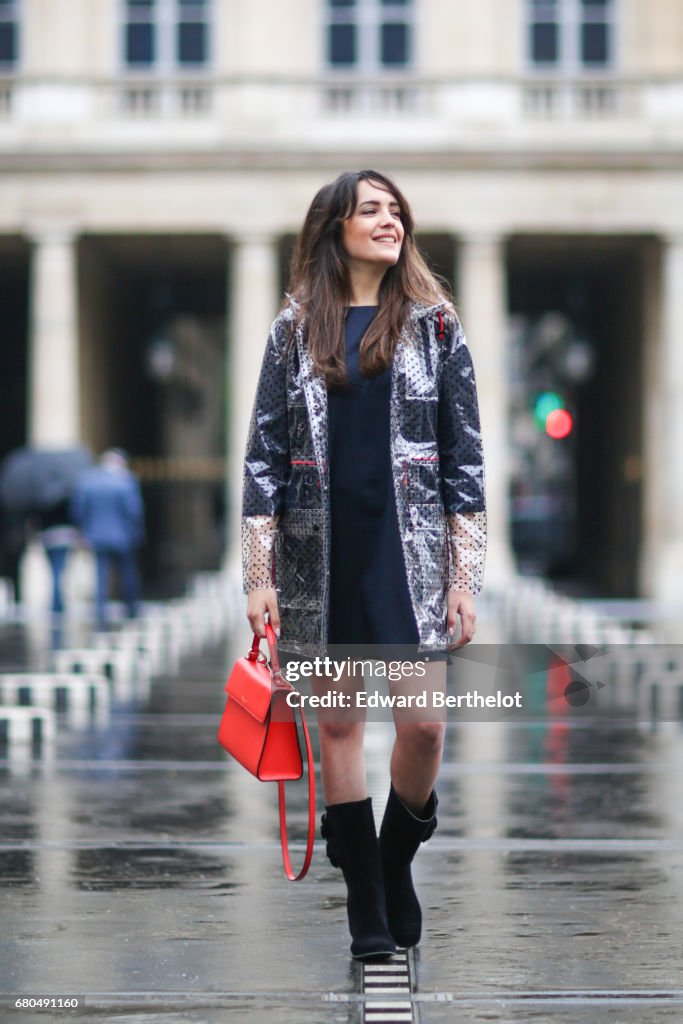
{"x":266,"y":465}
{"x":76,"y":506}
{"x":462,"y":462}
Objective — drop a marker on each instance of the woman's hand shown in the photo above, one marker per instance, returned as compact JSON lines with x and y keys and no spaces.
{"x":461,"y":603}
{"x":258,"y":603}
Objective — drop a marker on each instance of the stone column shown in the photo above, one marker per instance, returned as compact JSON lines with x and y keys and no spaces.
{"x":666,"y":448}
{"x":482,"y":297}
{"x":253,"y":300}
{"x":54,"y":399}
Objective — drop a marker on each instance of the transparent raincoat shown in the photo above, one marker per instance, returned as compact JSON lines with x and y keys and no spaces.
{"x":437,"y":469}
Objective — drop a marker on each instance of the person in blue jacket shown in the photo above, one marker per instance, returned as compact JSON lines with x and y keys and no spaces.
{"x":107,"y":507}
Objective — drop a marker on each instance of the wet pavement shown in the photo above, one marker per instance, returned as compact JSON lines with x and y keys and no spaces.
{"x":141,"y":869}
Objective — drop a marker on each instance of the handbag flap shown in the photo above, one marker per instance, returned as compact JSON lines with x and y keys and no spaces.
{"x":250,"y":686}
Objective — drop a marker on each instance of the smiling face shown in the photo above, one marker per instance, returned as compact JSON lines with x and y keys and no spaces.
{"x":373,"y":234}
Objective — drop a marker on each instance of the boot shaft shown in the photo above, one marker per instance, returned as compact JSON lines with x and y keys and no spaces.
{"x":352,"y":845}
{"x":351,"y":836}
{"x":402,"y":831}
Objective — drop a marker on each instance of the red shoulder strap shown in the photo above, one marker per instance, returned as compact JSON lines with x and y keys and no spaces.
{"x":440,"y":334}
{"x":289,"y":871}
{"x":276,"y":676}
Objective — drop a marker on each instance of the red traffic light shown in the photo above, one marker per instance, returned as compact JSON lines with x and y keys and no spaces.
{"x":558,"y":424}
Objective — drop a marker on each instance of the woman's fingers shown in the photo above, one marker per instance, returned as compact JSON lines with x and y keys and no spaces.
{"x":461,"y":605}
{"x":259,"y":604}
{"x":274,"y":612}
{"x":468,"y":620}
{"x":256,"y":608}
{"x":256,"y":621}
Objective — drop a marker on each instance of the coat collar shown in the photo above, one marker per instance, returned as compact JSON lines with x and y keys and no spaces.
{"x":419,"y":311}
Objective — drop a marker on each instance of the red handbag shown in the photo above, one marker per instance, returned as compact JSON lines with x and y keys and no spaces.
{"x":258,"y":728}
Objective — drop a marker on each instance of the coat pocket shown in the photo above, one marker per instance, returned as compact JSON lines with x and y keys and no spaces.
{"x":428,"y":539}
{"x":422,"y":480}
{"x":299,"y":558}
{"x":303,"y":486}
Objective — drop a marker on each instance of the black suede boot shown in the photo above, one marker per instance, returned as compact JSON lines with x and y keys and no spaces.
{"x":352,"y":846}
{"x":399,"y":838}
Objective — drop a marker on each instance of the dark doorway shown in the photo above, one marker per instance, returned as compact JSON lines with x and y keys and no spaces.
{"x":153,"y":382}
{"x":14,"y":290}
{"x":576,"y":344}
{"x":14,"y":300}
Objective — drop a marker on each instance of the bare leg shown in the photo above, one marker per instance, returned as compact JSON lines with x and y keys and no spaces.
{"x":410,"y":815}
{"x":418,"y":748}
{"x":342,"y":763}
{"x":348,"y":825}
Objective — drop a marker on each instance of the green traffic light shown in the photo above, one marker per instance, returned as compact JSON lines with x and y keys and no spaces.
{"x":545,"y":403}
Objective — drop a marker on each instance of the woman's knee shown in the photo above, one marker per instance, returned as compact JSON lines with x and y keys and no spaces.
{"x":340,"y":731}
{"x":425,"y":738}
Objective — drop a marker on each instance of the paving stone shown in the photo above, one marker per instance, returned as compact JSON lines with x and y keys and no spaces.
{"x":141,"y":867}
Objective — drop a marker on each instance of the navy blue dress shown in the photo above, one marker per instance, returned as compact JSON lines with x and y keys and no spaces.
{"x":369,"y":597}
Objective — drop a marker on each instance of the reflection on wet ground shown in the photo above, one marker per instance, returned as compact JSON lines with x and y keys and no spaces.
{"x":141,"y":868}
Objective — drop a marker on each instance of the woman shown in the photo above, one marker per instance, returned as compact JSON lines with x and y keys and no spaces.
{"x":364,"y":515}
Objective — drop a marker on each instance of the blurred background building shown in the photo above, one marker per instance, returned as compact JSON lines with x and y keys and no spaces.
{"x":157,"y":156}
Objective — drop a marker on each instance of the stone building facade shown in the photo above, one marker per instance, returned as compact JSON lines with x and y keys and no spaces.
{"x":156,"y":157}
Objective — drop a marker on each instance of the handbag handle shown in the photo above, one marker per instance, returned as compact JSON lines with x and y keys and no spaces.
{"x":279,"y":681}
{"x":255,"y":653}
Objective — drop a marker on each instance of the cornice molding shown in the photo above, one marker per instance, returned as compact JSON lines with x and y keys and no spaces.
{"x":256,"y":160}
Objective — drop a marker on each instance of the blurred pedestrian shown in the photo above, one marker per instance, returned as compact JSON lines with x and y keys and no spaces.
{"x":58,"y":536}
{"x":364,"y":512}
{"x":108,"y":509}
{"x":12,"y":543}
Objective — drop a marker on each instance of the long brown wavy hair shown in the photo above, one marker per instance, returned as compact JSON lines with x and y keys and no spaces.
{"x":320,"y":281}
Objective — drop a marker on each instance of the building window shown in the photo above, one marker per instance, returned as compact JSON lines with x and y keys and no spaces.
{"x":165,"y":35}
{"x":369,"y":35}
{"x":596,"y":34}
{"x":192,"y":33}
{"x":571,"y":35}
{"x":342,"y":33}
{"x":545,"y":32}
{"x":140,"y":44}
{"x":9,"y":33}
